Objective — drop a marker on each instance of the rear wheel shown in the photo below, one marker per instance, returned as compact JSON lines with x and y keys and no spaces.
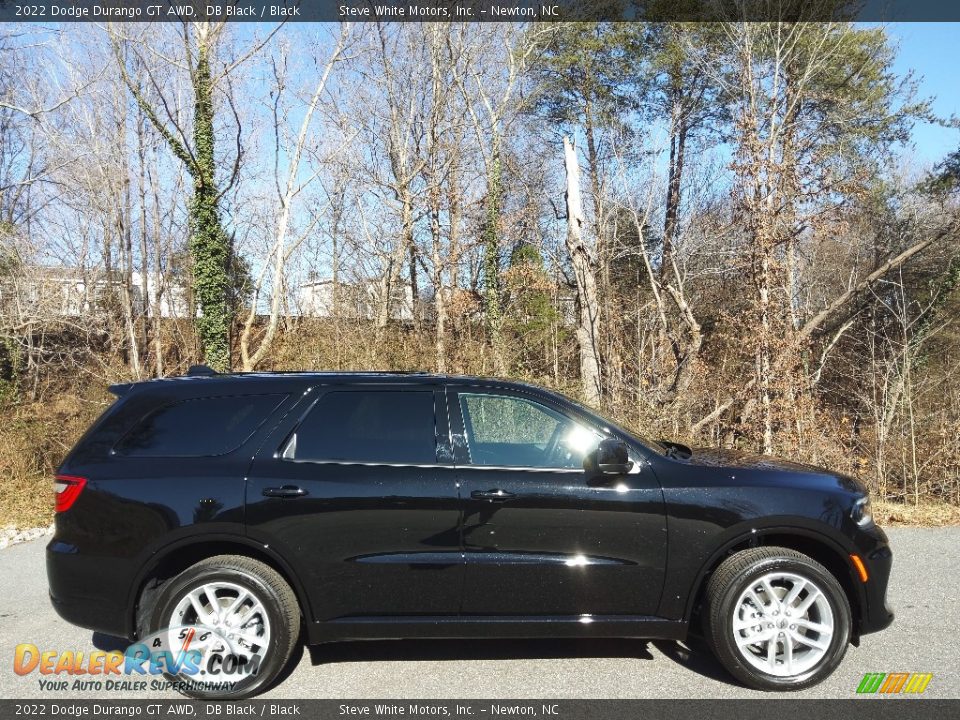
{"x":777,"y":619}
{"x":238,"y":619}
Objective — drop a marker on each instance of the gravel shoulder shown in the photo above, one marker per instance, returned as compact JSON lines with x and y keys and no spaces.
{"x":12,"y":535}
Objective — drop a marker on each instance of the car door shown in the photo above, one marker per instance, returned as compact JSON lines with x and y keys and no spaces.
{"x":542,"y":537}
{"x":359,"y":493}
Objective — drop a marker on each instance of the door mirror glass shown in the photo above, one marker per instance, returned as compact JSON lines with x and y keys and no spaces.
{"x":610,"y":458}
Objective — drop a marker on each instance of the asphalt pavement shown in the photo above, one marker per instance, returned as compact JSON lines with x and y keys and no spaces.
{"x":924,"y":592}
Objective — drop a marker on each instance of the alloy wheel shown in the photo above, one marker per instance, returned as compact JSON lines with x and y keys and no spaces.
{"x":783,"y":624}
{"x":222,"y":613}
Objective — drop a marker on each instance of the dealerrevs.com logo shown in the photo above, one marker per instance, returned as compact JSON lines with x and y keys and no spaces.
{"x":894,"y":683}
{"x":189,"y":657}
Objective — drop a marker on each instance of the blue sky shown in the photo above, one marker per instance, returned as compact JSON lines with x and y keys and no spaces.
{"x":932,"y":51}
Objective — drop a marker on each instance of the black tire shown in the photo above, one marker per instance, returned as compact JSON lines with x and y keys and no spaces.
{"x":734,"y":577}
{"x":277,"y":598}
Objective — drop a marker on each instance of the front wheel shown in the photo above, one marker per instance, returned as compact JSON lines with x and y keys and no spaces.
{"x":777,"y":619}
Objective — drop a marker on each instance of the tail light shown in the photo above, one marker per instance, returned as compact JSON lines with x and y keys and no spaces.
{"x":68,"y":489}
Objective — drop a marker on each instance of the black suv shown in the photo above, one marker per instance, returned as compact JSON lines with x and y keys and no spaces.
{"x":215,"y":519}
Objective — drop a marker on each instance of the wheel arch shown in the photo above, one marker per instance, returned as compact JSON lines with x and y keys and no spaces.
{"x":176,"y":557}
{"x":817,"y":546}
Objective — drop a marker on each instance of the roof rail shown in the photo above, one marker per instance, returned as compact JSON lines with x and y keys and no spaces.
{"x":200,"y":370}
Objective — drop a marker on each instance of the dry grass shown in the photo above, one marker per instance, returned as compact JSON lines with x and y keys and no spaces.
{"x":929,"y":513}
{"x":34,"y":437}
{"x":27,"y":502}
{"x":27,"y":497}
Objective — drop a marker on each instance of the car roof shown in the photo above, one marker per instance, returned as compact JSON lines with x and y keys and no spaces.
{"x":276,"y":379}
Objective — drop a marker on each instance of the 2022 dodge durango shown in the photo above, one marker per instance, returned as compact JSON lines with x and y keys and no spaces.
{"x":223,"y":517}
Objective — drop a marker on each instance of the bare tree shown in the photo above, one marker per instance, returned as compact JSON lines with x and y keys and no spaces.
{"x":588,"y":306}
{"x":490,"y":100}
{"x":282,"y":246}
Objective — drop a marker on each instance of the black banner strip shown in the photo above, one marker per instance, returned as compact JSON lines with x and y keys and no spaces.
{"x":872,"y":708}
{"x":47,"y":11}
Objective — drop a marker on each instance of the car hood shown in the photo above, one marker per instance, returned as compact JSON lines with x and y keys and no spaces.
{"x":722,"y":458}
{"x":718,"y":457}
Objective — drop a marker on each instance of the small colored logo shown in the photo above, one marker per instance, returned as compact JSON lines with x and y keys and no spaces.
{"x":894,"y":683}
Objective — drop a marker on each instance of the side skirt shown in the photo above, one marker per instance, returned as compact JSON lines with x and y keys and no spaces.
{"x":497,"y":626}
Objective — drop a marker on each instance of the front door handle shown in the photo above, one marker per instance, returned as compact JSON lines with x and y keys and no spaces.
{"x":492,"y":495}
{"x":287,"y":491}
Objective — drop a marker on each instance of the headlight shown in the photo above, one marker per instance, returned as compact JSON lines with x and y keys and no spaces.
{"x":862,"y":513}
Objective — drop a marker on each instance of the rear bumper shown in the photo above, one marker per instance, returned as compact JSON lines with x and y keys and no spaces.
{"x":79,"y":593}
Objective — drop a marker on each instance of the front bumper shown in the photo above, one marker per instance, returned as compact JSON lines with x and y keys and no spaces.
{"x":877,"y":556}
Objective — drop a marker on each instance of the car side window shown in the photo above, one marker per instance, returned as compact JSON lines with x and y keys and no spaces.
{"x":375,"y":426}
{"x":198,"y":427}
{"x":504,"y":430}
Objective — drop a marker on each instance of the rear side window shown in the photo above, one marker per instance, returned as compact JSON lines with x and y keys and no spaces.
{"x":198,"y":427}
{"x":390,"y":426}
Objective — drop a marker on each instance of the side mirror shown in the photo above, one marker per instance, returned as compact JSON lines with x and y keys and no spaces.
{"x":610,"y":458}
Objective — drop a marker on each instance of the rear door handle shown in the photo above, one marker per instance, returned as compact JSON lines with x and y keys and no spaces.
{"x":287,"y":491}
{"x":492,"y":495}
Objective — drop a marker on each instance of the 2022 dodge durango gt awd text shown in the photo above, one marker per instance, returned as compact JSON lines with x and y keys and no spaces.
{"x":223,"y":517}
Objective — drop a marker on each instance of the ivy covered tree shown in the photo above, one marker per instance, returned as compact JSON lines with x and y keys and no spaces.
{"x":530,"y":313}
{"x":210,"y":246}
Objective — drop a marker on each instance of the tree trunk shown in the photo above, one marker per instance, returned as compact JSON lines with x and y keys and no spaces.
{"x":588,"y":307}
{"x":678,"y":141}
{"x":594,"y":170}
{"x":439,"y":301}
{"x":414,"y":284}
{"x":158,"y":284}
{"x":491,"y":260}
{"x":764,"y":351}
{"x":207,"y":242}
{"x":391,"y":277}
{"x":144,"y":252}
{"x":125,"y":238}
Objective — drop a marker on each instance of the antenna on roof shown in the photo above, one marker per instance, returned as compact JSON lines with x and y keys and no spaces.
{"x":201,"y":370}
